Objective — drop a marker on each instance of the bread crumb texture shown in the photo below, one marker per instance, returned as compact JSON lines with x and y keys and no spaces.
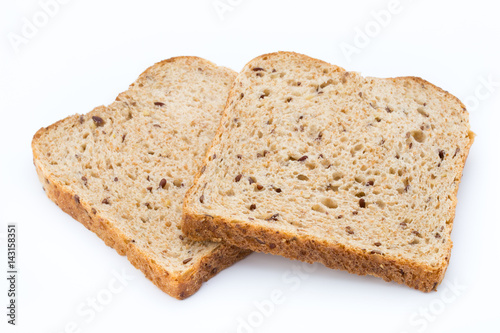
{"x":123,"y":170}
{"x":324,"y":165}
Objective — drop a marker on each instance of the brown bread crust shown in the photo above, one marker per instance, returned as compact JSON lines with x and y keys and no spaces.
{"x":309,"y":250}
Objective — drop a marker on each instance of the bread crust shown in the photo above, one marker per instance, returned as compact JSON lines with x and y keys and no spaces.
{"x":308,"y":249}
{"x":179,"y":286}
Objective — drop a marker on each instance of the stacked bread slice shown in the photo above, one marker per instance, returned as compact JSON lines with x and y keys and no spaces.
{"x":122,"y":170}
{"x":318,"y":164}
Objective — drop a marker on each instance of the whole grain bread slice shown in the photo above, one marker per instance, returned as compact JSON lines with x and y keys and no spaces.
{"x":122,"y":170}
{"x":318,"y":164}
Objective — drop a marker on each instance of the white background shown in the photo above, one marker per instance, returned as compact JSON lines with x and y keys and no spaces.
{"x":90,"y":51}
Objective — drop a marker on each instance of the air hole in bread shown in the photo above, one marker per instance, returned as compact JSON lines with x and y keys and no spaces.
{"x":318,"y":208}
{"x":415,"y":241}
{"x":337,"y":175}
{"x":326,"y":163}
{"x":265,"y":93}
{"x":331,"y":187}
{"x":311,"y":165}
{"x":302,"y":177}
{"x":328,"y":202}
{"x":419,"y":136}
{"x":421,"y":110}
{"x":326,"y":84}
{"x":359,"y":179}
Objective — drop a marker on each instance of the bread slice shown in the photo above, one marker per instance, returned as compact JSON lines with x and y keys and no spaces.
{"x":318,"y":164}
{"x":123,"y":170}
